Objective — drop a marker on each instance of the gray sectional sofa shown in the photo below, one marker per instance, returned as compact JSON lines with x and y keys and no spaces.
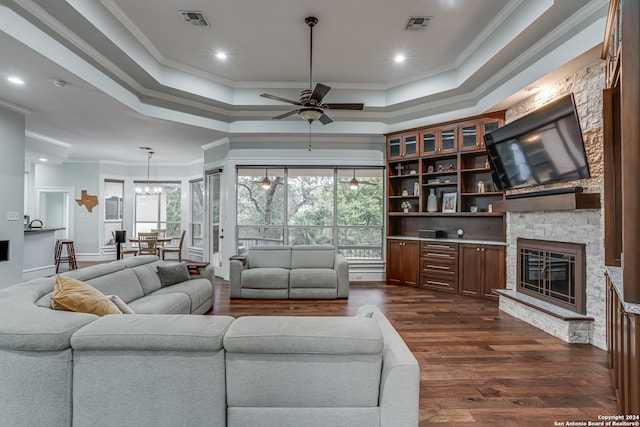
{"x":281,"y":272}
{"x":60,"y":368}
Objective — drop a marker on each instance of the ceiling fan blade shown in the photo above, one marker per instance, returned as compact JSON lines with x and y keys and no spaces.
{"x":319,"y":92}
{"x":325,"y":120}
{"x":287,"y":114}
{"x":277,"y":98}
{"x":344,"y":106}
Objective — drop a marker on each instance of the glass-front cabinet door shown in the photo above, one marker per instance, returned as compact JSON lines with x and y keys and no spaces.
{"x":447,"y":140}
{"x":428,"y":143}
{"x":489,"y":125}
{"x":469,"y":137}
{"x":410,"y":143}
{"x":394,"y":145}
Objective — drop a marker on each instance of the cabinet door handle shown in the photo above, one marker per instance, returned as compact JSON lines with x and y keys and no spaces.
{"x":477,"y":249}
{"x":433,"y":282}
{"x":430,"y":254}
{"x":439,"y":267}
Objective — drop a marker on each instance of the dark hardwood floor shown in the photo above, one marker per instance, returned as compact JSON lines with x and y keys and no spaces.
{"x":479,"y":366}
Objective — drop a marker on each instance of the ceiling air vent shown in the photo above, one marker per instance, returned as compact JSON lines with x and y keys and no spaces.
{"x":194,"y":18}
{"x":417,"y":23}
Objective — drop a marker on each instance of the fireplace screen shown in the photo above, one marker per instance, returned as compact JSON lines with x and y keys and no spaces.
{"x":553,"y":272}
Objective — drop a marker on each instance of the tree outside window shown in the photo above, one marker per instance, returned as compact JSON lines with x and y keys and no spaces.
{"x":311,"y":206}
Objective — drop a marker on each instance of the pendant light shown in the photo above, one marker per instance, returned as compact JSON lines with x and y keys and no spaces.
{"x":353,"y":184}
{"x":148,"y":191}
{"x":266,"y":184}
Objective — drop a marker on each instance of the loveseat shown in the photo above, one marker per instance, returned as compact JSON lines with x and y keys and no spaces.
{"x":296,"y":272}
{"x":36,"y":357}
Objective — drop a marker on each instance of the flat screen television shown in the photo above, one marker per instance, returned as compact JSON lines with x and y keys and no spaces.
{"x":543,"y":147}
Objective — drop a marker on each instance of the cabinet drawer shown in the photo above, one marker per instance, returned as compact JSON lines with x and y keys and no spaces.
{"x":448,"y":267}
{"x":439,"y":282}
{"x":439,"y":255}
{"x":439,"y":247}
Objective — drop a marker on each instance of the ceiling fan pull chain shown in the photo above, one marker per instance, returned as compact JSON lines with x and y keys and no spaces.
{"x":309,"y":136}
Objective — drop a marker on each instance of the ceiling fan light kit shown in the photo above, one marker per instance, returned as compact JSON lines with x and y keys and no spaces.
{"x":310,"y":101}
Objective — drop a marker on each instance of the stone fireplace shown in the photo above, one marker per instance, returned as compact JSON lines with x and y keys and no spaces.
{"x":584,"y":227}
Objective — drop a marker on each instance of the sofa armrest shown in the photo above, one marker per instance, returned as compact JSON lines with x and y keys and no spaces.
{"x":400,"y":380}
{"x":342,"y":269}
{"x":236,"y":266}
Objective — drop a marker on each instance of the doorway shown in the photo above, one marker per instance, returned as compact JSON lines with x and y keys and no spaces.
{"x":53,"y":208}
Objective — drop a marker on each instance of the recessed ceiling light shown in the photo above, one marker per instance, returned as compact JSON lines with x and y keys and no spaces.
{"x":16,"y":80}
{"x":534,"y":89}
{"x":42,"y":159}
{"x":221,"y":55}
{"x":399,"y":58}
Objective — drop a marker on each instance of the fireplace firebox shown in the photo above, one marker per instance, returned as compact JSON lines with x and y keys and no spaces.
{"x":554,"y":272}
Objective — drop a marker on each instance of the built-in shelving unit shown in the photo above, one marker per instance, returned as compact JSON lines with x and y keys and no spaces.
{"x":447,"y":158}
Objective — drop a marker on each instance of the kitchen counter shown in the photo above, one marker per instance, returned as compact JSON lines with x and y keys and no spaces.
{"x":38,"y":255}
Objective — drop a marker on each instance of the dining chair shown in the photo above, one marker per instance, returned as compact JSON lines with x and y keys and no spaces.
{"x":162,"y":232}
{"x":147,"y":243}
{"x":178,"y":249}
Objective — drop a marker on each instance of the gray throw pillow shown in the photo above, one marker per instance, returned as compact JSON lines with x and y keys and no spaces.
{"x":172,"y":274}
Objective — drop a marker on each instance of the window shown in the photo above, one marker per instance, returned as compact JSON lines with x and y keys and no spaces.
{"x":197,"y":212}
{"x":159,"y":211}
{"x":113,"y":208}
{"x":311,"y":206}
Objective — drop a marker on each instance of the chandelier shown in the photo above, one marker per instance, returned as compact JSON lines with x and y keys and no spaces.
{"x":148,"y":190}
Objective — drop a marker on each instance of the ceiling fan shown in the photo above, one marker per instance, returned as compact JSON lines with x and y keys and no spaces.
{"x":310,"y":103}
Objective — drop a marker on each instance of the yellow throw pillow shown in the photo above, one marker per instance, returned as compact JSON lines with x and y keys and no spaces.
{"x":73,"y":295}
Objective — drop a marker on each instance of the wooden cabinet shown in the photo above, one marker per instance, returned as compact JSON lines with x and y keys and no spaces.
{"x":482,"y":268}
{"x":402,"y":146}
{"x":439,"y":266}
{"x":623,"y":343}
{"x":402,"y":262}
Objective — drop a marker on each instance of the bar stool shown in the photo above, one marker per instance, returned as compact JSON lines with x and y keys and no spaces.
{"x":70,"y":252}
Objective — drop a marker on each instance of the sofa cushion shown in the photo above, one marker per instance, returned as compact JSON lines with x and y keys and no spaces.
{"x":73,"y":295}
{"x":265,"y":278}
{"x":147,"y":275}
{"x":153,"y":333}
{"x":172,"y":274}
{"x":198,"y":290}
{"x":269,"y":256}
{"x":303,"y":362}
{"x":313,"y":278}
{"x":313,"y":256}
{"x":123,"y":283}
{"x":304,"y":335}
{"x":167,"y":303}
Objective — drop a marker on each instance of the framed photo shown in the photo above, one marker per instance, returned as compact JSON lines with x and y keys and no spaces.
{"x":449,"y":202}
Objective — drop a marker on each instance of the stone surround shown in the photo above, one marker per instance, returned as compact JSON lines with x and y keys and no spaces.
{"x":579,"y":226}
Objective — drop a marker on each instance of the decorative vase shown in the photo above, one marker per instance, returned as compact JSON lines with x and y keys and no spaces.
{"x":432,"y":201}
{"x":406,"y":210}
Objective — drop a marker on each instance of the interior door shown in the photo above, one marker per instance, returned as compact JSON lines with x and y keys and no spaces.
{"x":216,"y":233}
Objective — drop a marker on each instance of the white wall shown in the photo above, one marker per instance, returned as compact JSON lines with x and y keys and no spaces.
{"x":12,"y":128}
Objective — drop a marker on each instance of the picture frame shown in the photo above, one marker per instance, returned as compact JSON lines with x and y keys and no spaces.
{"x":449,"y":202}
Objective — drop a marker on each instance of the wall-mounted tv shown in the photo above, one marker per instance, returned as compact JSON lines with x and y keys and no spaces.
{"x":543,"y":147}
